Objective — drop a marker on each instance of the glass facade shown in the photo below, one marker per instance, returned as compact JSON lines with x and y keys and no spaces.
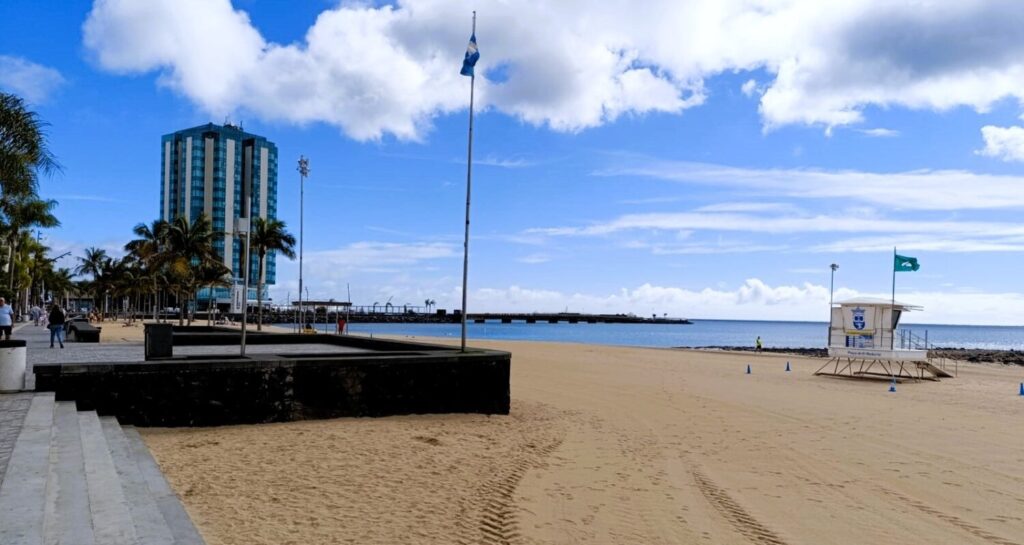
{"x":220,"y":170}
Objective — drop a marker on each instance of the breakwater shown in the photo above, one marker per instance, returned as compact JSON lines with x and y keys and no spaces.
{"x":322,"y":316}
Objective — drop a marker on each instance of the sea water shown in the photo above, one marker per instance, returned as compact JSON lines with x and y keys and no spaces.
{"x":699,"y":333}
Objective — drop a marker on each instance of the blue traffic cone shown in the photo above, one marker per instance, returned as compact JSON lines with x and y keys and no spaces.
{"x":892,"y":387}
{"x":748,"y":368}
{"x":1022,"y":388}
{"x":787,"y":366}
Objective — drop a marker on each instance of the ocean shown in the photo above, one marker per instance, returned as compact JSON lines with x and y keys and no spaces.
{"x":699,"y":333}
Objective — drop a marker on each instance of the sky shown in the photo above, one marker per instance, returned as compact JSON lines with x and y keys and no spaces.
{"x":701,"y":158}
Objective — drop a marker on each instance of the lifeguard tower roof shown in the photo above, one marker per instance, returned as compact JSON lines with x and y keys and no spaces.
{"x":878,"y":301}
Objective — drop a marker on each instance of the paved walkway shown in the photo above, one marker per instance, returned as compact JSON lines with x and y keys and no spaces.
{"x":39,"y":351}
{"x":13,"y":408}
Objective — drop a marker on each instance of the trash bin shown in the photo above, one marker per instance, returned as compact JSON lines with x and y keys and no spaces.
{"x":159,"y":341}
{"x":12,"y":365}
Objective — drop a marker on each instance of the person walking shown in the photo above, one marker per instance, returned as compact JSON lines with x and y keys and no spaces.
{"x":6,"y":319}
{"x":56,"y":324}
{"x":758,"y":343}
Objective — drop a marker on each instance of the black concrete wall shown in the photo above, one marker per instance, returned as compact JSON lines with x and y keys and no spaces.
{"x":221,"y":391}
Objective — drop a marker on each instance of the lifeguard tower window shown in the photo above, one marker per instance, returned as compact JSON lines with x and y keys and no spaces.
{"x":896,"y":317}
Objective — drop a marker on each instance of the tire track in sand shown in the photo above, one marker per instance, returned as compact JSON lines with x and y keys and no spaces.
{"x":492,"y":516}
{"x":499,"y":521}
{"x":738,"y":517}
{"x":946,"y":517}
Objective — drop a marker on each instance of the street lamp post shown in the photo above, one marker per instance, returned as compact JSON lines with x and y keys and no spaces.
{"x":303,"y":172}
{"x":243,"y":227}
{"x":832,"y":284}
{"x":831,"y":290}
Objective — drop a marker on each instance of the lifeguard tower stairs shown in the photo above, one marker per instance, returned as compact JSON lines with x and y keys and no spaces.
{"x":865,"y":341}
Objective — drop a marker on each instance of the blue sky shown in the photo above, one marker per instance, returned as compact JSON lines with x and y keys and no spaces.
{"x":700,"y":159}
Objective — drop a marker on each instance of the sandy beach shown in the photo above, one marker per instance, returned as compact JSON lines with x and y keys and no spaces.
{"x":629,"y":445}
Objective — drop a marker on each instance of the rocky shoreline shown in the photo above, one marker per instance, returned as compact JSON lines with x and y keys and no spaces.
{"x":973,"y":355}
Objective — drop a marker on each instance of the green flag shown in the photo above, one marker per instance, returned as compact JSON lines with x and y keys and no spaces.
{"x":906,"y":264}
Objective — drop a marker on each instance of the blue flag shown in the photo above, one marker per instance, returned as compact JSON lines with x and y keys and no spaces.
{"x":472,"y":55}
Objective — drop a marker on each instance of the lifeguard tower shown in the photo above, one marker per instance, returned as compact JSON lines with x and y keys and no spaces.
{"x":864,"y":342}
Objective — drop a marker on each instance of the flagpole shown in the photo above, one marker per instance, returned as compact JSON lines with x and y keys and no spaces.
{"x":469,"y":182}
{"x":892,"y":334}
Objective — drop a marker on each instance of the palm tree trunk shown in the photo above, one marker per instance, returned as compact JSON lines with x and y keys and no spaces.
{"x":259,"y":296}
{"x":181,"y":308}
{"x":12,"y":251}
{"x":191,"y":299}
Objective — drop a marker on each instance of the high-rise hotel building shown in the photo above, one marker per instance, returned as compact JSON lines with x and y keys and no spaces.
{"x":225,"y":173}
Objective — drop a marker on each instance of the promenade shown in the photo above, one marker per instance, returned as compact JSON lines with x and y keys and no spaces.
{"x":70,"y":476}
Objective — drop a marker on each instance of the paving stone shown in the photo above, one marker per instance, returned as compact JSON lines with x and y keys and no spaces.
{"x":13,"y":408}
{"x":23,"y":491}
{"x":111,"y":518}
{"x":68,"y":520}
{"x":150,"y":526}
{"x":177,"y":518}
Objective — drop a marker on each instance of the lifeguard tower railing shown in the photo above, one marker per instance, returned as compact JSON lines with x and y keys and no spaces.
{"x":909,"y":340}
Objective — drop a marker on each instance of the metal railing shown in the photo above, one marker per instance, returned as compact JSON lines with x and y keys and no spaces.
{"x":911,"y":341}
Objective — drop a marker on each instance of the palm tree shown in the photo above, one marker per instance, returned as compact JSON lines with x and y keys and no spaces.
{"x":23,"y":149}
{"x":61,"y":281}
{"x":23,"y":266}
{"x":212,"y":274}
{"x":148,"y":249}
{"x":92,"y":264}
{"x":21,"y":213}
{"x":269,"y":236}
{"x":188,"y":245}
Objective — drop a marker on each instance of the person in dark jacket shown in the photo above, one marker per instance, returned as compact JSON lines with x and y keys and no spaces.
{"x":56,"y":325}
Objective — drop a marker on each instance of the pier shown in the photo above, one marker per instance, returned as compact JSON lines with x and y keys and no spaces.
{"x":570,"y":317}
{"x":331,"y":311}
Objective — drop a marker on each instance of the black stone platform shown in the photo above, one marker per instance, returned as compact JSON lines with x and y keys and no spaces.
{"x":360,"y":377}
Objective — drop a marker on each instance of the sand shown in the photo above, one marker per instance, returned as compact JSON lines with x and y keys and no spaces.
{"x":630,"y":445}
{"x":119,"y":332}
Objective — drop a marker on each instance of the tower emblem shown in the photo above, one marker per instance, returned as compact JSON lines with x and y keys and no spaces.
{"x":858,"y":319}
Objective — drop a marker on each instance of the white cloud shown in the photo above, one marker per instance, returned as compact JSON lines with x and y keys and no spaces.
{"x":747,"y":207}
{"x":368,"y":265}
{"x":753,"y":299}
{"x":912,"y":190}
{"x":364,"y":255}
{"x":880,"y":132}
{"x":534,"y":259}
{"x":952,"y":235}
{"x":749,"y":88}
{"x":953,"y":242}
{"x":1006,"y":143}
{"x":494,"y":161}
{"x":34,"y":82}
{"x":785,"y":225}
{"x":391,"y":69}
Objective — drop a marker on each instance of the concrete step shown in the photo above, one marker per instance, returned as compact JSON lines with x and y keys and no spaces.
{"x":23,"y":492}
{"x":150,"y":526}
{"x":67,"y":519}
{"x":184,"y":532}
{"x":111,"y":517}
